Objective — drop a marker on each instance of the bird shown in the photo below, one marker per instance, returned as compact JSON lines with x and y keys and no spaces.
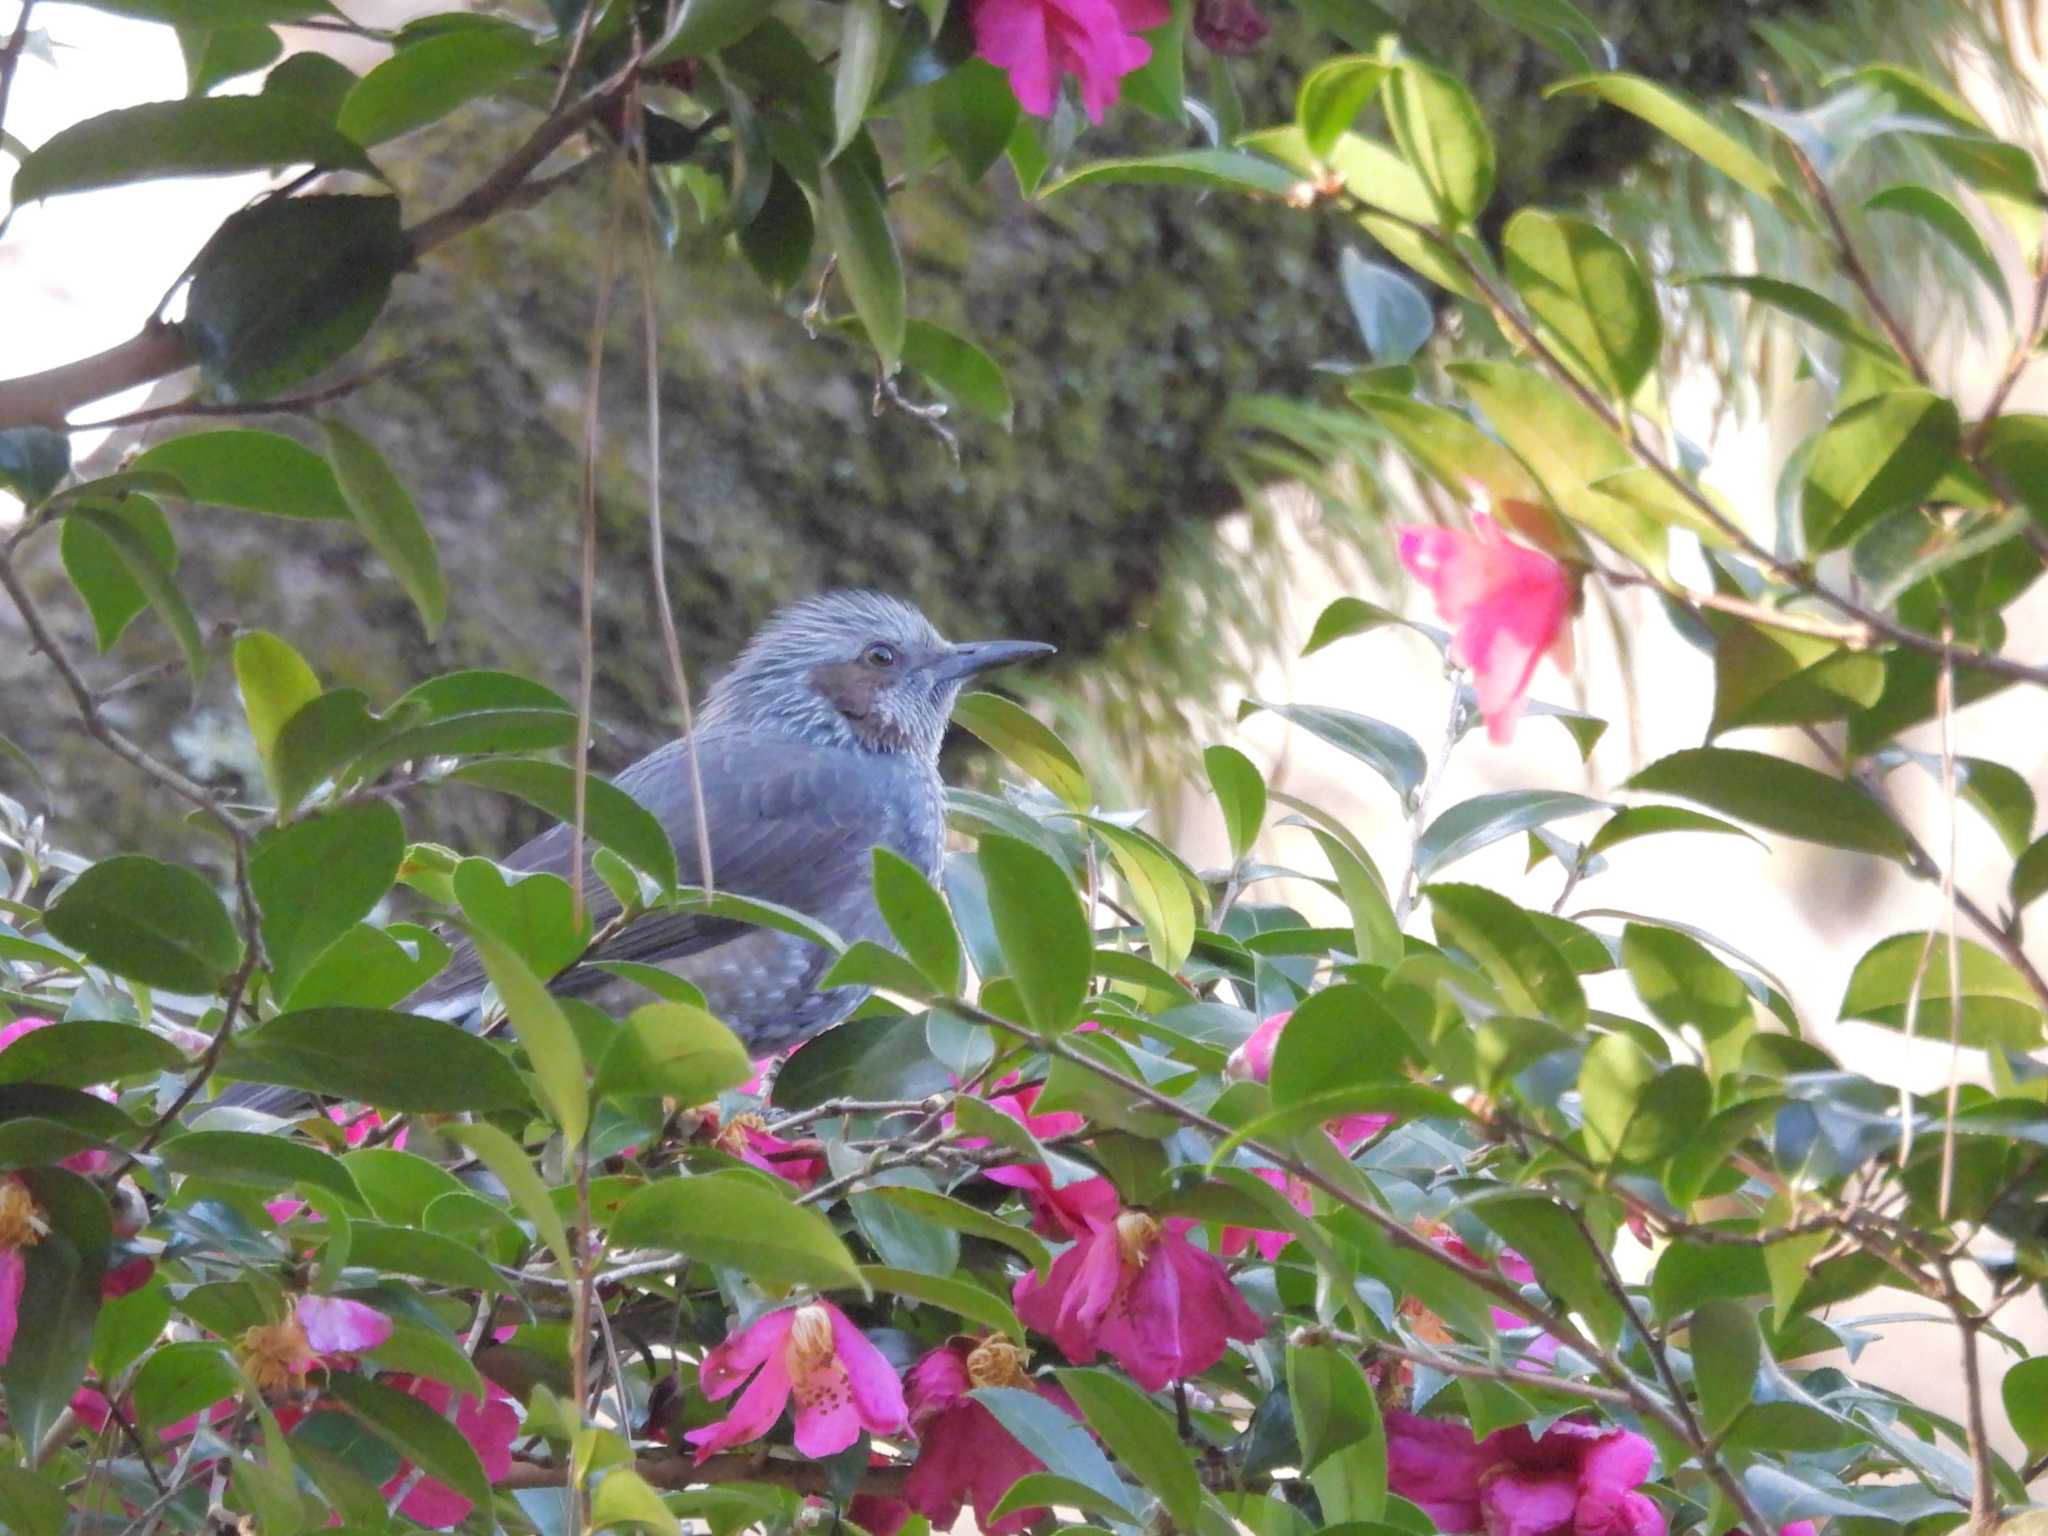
{"x":819,"y":745}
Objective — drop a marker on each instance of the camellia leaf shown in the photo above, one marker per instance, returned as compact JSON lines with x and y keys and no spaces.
{"x":1823,"y":314}
{"x":1666,"y":110}
{"x":857,"y":223}
{"x":864,"y":35}
{"x":610,"y":815}
{"x":276,"y":683}
{"x":389,"y":520}
{"x":1948,"y":221}
{"x":1880,"y":454}
{"x":151,"y":922}
{"x":1535,"y":979}
{"x":1544,"y":1233}
{"x":1143,"y":1438}
{"x":1333,"y":1403}
{"x":134,"y":536}
{"x":675,"y":1051}
{"x":1241,"y":792}
{"x":2025,"y":1390}
{"x":58,"y":1299}
{"x":738,"y":1220}
{"x":82,"y":1052}
{"x":417,"y":1431}
{"x":199,"y":136}
{"x":424,"y":81}
{"x":261,"y":1162}
{"x":1047,"y":947}
{"x":917,"y":917}
{"x":1726,"y":1350}
{"x":544,"y":1030}
{"x":1635,"y":1111}
{"x":316,"y":879}
{"x":251,"y":470}
{"x":1472,"y":824}
{"x":1058,"y":1440}
{"x":33,"y":461}
{"x":1331,"y":97}
{"x":508,"y":1160}
{"x":1682,"y":984}
{"x":100,"y":568}
{"x":1388,"y":750}
{"x":1767,"y":676}
{"x":1586,"y":289}
{"x":1393,"y":317}
{"x":396,"y":1061}
{"x":1443,"y":135}
{"x":1778,"y":795}
{"x":1996,"y":1006}
{"x":1224,"y":170}
{"x":1027,"y":742}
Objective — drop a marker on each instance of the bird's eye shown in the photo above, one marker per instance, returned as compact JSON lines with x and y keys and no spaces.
{"x":879,"y":655}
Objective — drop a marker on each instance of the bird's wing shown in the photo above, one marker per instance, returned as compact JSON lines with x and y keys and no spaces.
{"x":787,"y":822}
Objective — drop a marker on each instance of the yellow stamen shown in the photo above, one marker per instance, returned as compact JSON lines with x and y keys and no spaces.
{"x":810,"y":1345}
{"x":276,"y":1355}
{"x":21,"y":1220}
{"x":733,"y":1138}
{"x":997,"y":1363}
{"x":1136,"y":1236}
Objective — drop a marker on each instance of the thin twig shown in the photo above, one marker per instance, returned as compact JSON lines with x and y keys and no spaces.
{"x":1944,"y":705}
{"x":287,"y":405}
{"x":675,"y":1472}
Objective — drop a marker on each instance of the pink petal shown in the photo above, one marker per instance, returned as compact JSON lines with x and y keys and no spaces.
{"x":1012,"y":35}
{"x":1436,"y":1463}
{"x":938,"y":1382}
{"x":13,"y":1276}
{"x":1253,"y":1060}
{"x":762,"y":1341}
{"x":876,"y":1388}
{"x":752,"y":1416}
{"x":10,"y":1033}
{"x":1621,"y":1460}
{"x":1516,"y":1503}
{"x":336,"y":1326}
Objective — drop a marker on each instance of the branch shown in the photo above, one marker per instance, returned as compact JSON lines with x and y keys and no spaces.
{"x":677,"y":1472}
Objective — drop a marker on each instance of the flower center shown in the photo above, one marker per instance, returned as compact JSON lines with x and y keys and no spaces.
{"x":1136,"y":1236}
{"x":810,"y":1341}
{"x":276,"y":1354}
{"x":733,"y":1138}
{"x":21,"y":1222}
{"x":997,"y":1363}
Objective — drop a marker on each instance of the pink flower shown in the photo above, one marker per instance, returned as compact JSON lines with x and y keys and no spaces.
{"x":1136,"y":1287}
{"x":965,"y":1456}
{"x":1035,"y":42}
{"x":22,"y":1226}
{"x":131,"y":1275}
{"x":1268,"y":1242}
{"x":335,"y":1326}
{"x":841,"y":1383}
{"x":877,"y":1514}
{"x":1575,"y":1479}
{"x":490,"y":1427}
{"x":1510,"y":605}
{"x":278,"y":1356}
{"x":1253,"y":1062}
{"x":90,"y":1163}
{"x":747,"y":1137}
{"x":1230,"y":26}
{"x":356,"y":1126}
{"x":1058,"y":1211}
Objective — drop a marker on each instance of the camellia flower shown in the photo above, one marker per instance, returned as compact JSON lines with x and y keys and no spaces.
{"x":278,"y":1355}
{"x":1058,"y":1211}
{"x":1575,"y":1478}
{"x":22,"y":1226}
{"x":1138,"y":1289}
{"x":747,"y":1137}
{"x":1267,"y":1241}
{"x":813,"y":1352}
{"x":1509,"y":605}
{"x":1035,"y":42}
{"x":1253,"y":1062}
{"x":1230,"y":26}
{"x":965,"y":1456}
{"x":490,"y":1427}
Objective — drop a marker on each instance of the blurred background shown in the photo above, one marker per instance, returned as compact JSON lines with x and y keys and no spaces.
{"x":1140,"y":515}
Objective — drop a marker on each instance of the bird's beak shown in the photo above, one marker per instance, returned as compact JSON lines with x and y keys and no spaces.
{"x":981,"y":655}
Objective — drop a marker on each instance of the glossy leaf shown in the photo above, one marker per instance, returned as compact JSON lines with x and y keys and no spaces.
{"x":1443,"y":136}
{"x":425,"y":81}
{"x":1941,"y":215}
{"x":1019,"y":736}
{"x":275,"y":684}
{"x":1585,"y":288}
{"x":397,"y":1061}
{"x":544,"y":1030}
{"x":1047,"y":947}
{"x":1473,"y":824}
{"x":1635,"y":1111}
{"x":251,"y":470}
{"x":1683,"y":985}
{"x":1726,"y":1350}
{"x":1388,"y":750}
{"x":611,"y":816}
{"x":1996,"y":1007}
{"x":261,"y":1162}
{"x":1331,"y":97}
{"x":316,"y":879}
{"x":389,"y":520}
{"x":856,"y":221}
{"x":1880,"y":454}
{"x":917,"y":917}
{"x":1221,"y":170}
{"x":1671,"y":113}
{"x":59,"y":1297}
{"x":1778,"y":795}
{"x":150,"y":922}
{"x":100,"y":553}
{"x":737,"y":1220}
{"x":1534,"y":978}
{"x":1143,"y":1438}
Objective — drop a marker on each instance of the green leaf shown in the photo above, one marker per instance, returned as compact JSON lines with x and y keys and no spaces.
{"x":389,"y":520}
{"x":960,"y":368}
{"x":777,"y":240}
{"x":420,"y":1351}
{"x":1375,"y":934}
{"x":1682,"y":984}
{"x":1823,"y":314}
{"x":508,"y":1160}
{"x":864,"y":36}
{"x":625,"y":1498}
{"x":430,"y":1256}
{"x":1778,"y":795}
{"x":59,"y":1298}
{"x":1026,"y":742}
{"x":318,"y":740}
{"x":1241,"y":793}
{"x":1726,"y":1350}
{"x":425,"y":81}
{"x":314,"y":82}
{"x":199,"y":136}
{"x":962,"y":1217}
{"x":1393,"y":317}
{"x":534,"y":914}
{"x":1707,"y":1151}
{"x":33,"y":460}
{"x":215,"y":54}
{"x":1159,"y":886}
{"x":1543,"y":1232}
{"x":316,"y":879}
{"x":1058,"y":1440}
{"x":1666,"y":110}
{"x":1220,"y":170}
{"x":857,"y":223}
{"x":1766,"y":676}
{"x":251,"y":470}
{"x":879,"y":1056}
{"x":1634,"y":1111}
{"x":149,"y":922}
{"x":1333,"y":1404}
{"x":416,"y":1431}
{"x":2003,"y":797}
{"x":917,"y":916}
{"x":1443,"y":135}
{"x":544,"y":1030}
{"x":183,"y":1378}
{"x":1535,"y":980}
{"x":132,"y":533}
{"x":610,"y":815}
{"x":1586,"y":289}
{"x":276,"y":684}
{"x":99,"y":569}
{"x":1473,"y":824}
{"x":2016,"y":450}
{"x":1942,"y":216}
{"x":1331,"y":97}
{"x":83,"y":1052}
{"x":2030,"y":875}
{"x":1339,"y":1037}
{"x":287,"y":286}
{"x":675,"y":1051}
{"x":1388,"y":750}
{"x":1634,"y":821}
{"x":1996,"y":1007}
{"x":962,"y":1298}
{"x":1883,"y":453}
{"x":737,"y":1221}
{"x":260,"y":1162}
{"x":1044,"y":934}
{"x":2025,"y":1390}
{"x":396,"y":1061}
{"x":31,"y":1506}
{"x":1142,"y":1437}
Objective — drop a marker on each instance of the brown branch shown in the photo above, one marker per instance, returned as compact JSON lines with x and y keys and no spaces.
{"x":45,"y":399}
{"x":677,"y":1472}
{"x":285,"y":405}
{"x":1506,"y":1375}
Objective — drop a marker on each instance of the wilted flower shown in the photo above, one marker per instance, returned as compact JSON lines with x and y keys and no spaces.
{"x":1253,"y":1062}
{"x":1509,"y":604}
{"x":1058,"y":1211}
{"x":813,"y":1352}
{"x":22,"y":1226}
{"x":1230,"y":26}
{"x":279,"y":1355}
{"x":489,"y":1426}
{"x":747,"y":1137}
{"x":1138,"y":1289}
{"x":965,"y":1456}
{"x":1574,"y":1478}
{"x":1035,"y":42}
{"x":1268,"y":1241}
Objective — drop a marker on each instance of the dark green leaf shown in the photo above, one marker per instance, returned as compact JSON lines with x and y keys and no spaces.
{"x":1058,"y":1440}
{"x":150,"y":922}
{"x":1948,"y":221}
{"x":81,"y":1052}
{"x":33,"y":460}
{"x":1634,"y":821}
{"x":183,"y":1378}
{"x":1473,"y":824}
{"x":1766,"y":676}
{"x":1726,"y":1350}
{"x":1047,"y":947}
{"x":1586,"y":289}
{"x":962,"y":1217}
{"x":1534,"y":978}
{"x":1880,"y":454}
{"x":260,"y":1162}
{"x":99,"y":566}
{"x":130,"y":528}
{"x":960,"y":368}
{"x":1636,"y":1112}
{"x":30,"y":1505}
{"x":416,"y":1431}
{"x":425,"y":81}
{"x":1333,"y":1404}
{"x":737,"y":1221}
{"x":962,"y":1298}
{"x":864,"y":37}
{"x":199,"y":136}
{"x":388,"y":519}
{"x":611,"y":816}
{"x":318,"y":740}
{"x":59,"y":1299}
{"x":1545,"y":1233}
{"x":876,"y":1057}
{"x":1997,"y":1006}
{"x":1224,"y":170}
{"x":777,"y":240}
{"x":1778,"y":795}
{"x":2030,"y":875}
{"x":544,"y":1030}
{"x":214,"y":54}
{"x":1142,"y":1437}
{"x":1339,"y":1037}
{"x":1389,"y":751}
{"x":252,"y":470}
{"x":857,"y":223}
{"x":316,"y":879}
{"x":314,"y":82}
{"x":1682,"y":984}
{"x":397,"y":1061}
{"x":390,"y":1249}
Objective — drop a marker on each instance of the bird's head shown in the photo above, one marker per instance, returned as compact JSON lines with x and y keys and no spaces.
{"x":859,"y":669}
